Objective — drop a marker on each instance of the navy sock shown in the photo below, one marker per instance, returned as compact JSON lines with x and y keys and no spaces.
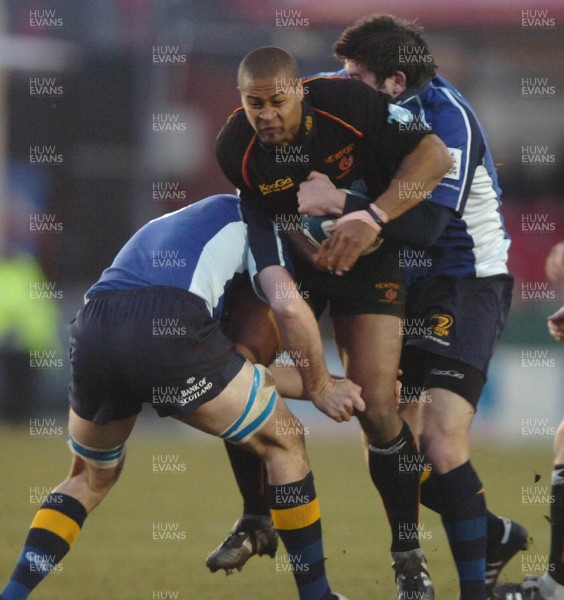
{"x":430,"y":499}
{"x":295,"y":514}
{"x":52,"y":533}
{"x":464,"y":520}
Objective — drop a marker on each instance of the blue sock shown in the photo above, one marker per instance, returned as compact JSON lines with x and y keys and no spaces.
{"x":52,"y":533}
{"x":463,"y":513}
{"x":295,"y":514}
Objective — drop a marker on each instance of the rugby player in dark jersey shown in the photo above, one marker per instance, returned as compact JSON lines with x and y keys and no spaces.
{"x":351,"y":136}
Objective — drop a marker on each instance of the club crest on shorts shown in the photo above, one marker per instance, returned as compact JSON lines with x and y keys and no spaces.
{"x":442,"y":324}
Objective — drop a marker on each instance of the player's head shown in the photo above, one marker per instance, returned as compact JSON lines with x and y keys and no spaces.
{"x":387,"y":53}
{"x":272,"y":94}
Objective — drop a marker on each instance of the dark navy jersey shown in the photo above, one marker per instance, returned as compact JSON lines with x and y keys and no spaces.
{"x":199,"y":248}
{"x":475,"y":242}
{"x":349,"y":132}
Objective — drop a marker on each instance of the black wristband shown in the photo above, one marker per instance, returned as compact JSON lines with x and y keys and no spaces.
{"x":354,"y":202}
{"x":375,"y":216}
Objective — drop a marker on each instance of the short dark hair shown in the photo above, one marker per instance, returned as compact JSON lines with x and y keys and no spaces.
{"x":386,"y":44}
{"x":266,"y":62}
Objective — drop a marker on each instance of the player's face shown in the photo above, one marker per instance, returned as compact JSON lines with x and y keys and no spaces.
{"x":363,"y":73}
{"x":393,"y":86}
{"x":273,"y":109}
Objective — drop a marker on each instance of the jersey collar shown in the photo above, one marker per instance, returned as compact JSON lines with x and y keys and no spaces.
{"x":411,"y":93}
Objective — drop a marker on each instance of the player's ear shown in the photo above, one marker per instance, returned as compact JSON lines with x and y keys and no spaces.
{"x":399,"y":83}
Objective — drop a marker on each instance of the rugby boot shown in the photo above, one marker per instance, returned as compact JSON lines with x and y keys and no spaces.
{"x":515,"y":538}
{"x":532,"y":588}
{"x":251,"y":534}
{"x":413,"y":581}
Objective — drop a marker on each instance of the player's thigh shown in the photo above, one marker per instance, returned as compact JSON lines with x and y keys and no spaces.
{"x":250,"y":325}
{"x":100,"y":437}
{"x":249,"y":412}
{"x":370,"y":347}
{"x":217,"y":414}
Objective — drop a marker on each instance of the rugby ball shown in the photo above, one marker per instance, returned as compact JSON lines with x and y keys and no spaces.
{"x":315,"y":231}
{"x":315,"y":228}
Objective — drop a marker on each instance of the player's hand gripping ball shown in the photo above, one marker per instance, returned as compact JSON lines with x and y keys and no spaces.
{"x":316,"y":230}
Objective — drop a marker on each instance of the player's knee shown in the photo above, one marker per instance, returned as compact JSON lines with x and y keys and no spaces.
{"x":442,"y":433}
{"x":101,"y":481}
{"x":103,"y":459}
{"x":380,"y":423}
{"x":445,"y":445}
{"x":99,"y":469}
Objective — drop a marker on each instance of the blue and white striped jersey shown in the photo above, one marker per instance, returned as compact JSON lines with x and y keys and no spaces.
{"x":199,"y":248}
{"x":475,"y":242}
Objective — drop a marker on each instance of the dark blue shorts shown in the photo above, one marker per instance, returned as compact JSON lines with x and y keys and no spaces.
{"x":459,"y":318}
{"x":452,"y":327}
{"x":157,"y":345}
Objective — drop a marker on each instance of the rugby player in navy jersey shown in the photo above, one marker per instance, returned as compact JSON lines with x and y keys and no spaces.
{"x":350,"y":135}
{"x":458,"y":288}
{"x":149,"y":331}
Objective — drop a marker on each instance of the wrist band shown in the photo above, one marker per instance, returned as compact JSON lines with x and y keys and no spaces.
{"x":375,"y":216}
{"x":355,"y":201}
{"x":361,"y":215}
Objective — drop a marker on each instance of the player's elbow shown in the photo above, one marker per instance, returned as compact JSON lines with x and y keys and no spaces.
{"x":288,"y":304}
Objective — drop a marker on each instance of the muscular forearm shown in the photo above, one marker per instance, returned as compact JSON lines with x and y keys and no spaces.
{"x":417,"y":176}
{"x":288,"y":381}
{"x":298,"y":328}
{"x":300,"y":334}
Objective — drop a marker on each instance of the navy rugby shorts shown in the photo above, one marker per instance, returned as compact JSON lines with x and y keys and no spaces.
{"x":373,"y":286}
{"x":451,"y":330}
{"x":459,"y":318}
{"x":157,"y":345}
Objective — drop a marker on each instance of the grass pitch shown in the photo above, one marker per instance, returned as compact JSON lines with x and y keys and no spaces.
{"x":118,"y":557}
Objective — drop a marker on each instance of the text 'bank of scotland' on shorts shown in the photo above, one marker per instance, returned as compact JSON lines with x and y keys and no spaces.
{"x":157,"y":345}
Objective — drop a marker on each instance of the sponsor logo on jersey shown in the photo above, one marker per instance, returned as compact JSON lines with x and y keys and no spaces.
{"x":442,"y":324}
{"x":279,"y":185}
{"x":399,"y":115}
{"x":456,"y":157}
{"x":340,"y":154}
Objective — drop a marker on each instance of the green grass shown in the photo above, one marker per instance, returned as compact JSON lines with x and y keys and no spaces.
{"x":116,"y":558}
